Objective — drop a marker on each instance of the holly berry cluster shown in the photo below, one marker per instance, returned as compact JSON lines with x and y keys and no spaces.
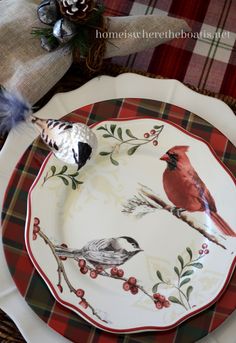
{"x":80,"y":294}
{"x":204,"y":250}
{"x":93,"y":273}
{"x":160,"y":301}
{"x":36,"y":228}
{"x":131,"y":285}
{"x":153,"y":134}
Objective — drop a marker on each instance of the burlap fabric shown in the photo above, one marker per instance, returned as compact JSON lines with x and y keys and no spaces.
{"x":25,"y":67}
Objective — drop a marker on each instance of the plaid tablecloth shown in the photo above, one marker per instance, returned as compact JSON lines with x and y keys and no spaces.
{"x":31,"y":285}
{"x":207,"y":61}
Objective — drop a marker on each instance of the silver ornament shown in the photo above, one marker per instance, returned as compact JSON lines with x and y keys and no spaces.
{"x":72,"y":143}
{"x":48,"y":12}
{"x":49,"y":44}
{"x":64,"y":30}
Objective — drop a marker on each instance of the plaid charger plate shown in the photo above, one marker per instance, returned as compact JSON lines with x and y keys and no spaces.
{"x":32,"y":286}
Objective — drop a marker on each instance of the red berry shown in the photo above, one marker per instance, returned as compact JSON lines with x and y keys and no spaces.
{"x":134,"y":290}
{"x":83,"y":303}
{"x":36,"y":221}
{"x":156,"y":296}
{"x":132,"y":281}
{"x":63,"y":258}
{"x":63,"y":245}
{"x":204,"y":246}
{"x":166,"y":303}
{"x":36,"y":229}
{"x":80,"y":293}
{"x":126,"y":286}
{"x":34,"y":236}
{"x":60,"y":288}
{"x":146,"y":135}
{"x":162,"y":299}
{"x":82,"y":263}
{"x":206,"y":251}
{"x":114,"y":271}
{"x":93,"y":274}
{"x":200,"y":252}
{"x":159,"y":305}
{"x":152,"y":132}
{"x":155,"y":143}
{"x":120,"y":273}
{"x":84,"y":270}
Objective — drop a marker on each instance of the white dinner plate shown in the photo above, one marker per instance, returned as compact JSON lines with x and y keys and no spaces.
{"x":108,"y":240}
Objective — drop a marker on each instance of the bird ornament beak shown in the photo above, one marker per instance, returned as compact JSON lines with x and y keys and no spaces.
{"x":165,"y":157}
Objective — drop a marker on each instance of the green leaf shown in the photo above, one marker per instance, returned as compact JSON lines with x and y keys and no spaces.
{"x":129,"y":133}
{"x":174,"y":300}
{"x":114,"y":161}
{"x":190,"y":253}
{"x":177,"y":271}
{"x":184,"y":282}
{"x":101,"y":128}
{"x":132,"y":150}
{"x":155,"y":287}
{"x":158,"y":127}
{"x":197,"y":265}
{"x":106,"y":135}
{"x":74,"y":175}
{"x":180,"y":258}
{"x":53,"y":169}
{"x":104,"y":153}
{"x":188,"y":272}
{"x":159,"y":275}
{"x":112,"y":128}
{"x":189,"y":291}
{"x":74,"y":185}
{"x":63,"y":170}
{"x":119,"y":132}
{"x":66,"y":182}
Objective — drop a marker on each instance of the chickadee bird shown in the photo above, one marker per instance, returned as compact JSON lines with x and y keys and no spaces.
{"x":73,"y":143}
{"x":106,"y":253}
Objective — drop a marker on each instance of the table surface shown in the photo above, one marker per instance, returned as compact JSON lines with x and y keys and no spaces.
{"x":206,"y":60}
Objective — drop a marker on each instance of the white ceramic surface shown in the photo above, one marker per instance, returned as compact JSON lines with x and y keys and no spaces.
{"x":102,"y":88}
{"x":162,"y":252}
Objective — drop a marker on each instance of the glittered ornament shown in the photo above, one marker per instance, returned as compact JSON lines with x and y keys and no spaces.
{"x":72,"y":143}
{"x":48,"y":12}
{"x":64,"y":30}
{"x":76,"y":10}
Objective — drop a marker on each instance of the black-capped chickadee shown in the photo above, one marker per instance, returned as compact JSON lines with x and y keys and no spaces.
{"x":106,"y":253}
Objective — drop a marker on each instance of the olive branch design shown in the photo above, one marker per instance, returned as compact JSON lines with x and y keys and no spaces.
{"x":184,"y":272}
{"x":126,"y":137}
{"x":66,"y":178}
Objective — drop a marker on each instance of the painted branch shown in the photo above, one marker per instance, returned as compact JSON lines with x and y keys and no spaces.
{"x":182,"y":217}
{"x":61,"y":270}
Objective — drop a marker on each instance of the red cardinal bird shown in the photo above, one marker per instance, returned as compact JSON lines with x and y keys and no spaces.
{"x":186,"y":190}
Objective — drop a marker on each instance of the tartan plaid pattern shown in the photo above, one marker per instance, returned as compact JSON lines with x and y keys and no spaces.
{"x":206,"y":62}
{"x":31,"y":285}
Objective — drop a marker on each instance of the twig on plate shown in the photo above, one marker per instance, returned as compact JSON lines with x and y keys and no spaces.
{"x":62,"y":273}
{"x":146,"y":194}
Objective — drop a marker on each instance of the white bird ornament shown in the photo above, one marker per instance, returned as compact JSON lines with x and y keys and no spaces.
{"x":72,"y":143}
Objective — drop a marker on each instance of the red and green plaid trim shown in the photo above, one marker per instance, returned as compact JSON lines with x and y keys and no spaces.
{"x":31,"y":285}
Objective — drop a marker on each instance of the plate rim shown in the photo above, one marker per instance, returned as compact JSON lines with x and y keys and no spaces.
{"x":76,"y":309}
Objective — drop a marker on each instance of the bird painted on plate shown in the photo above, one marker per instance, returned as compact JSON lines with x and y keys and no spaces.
{"x":106,"y":252}
{"x":73,"y":143}
{"x":187,"y":191}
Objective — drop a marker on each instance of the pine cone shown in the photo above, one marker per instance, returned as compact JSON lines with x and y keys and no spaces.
{"x":76,"y":10}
